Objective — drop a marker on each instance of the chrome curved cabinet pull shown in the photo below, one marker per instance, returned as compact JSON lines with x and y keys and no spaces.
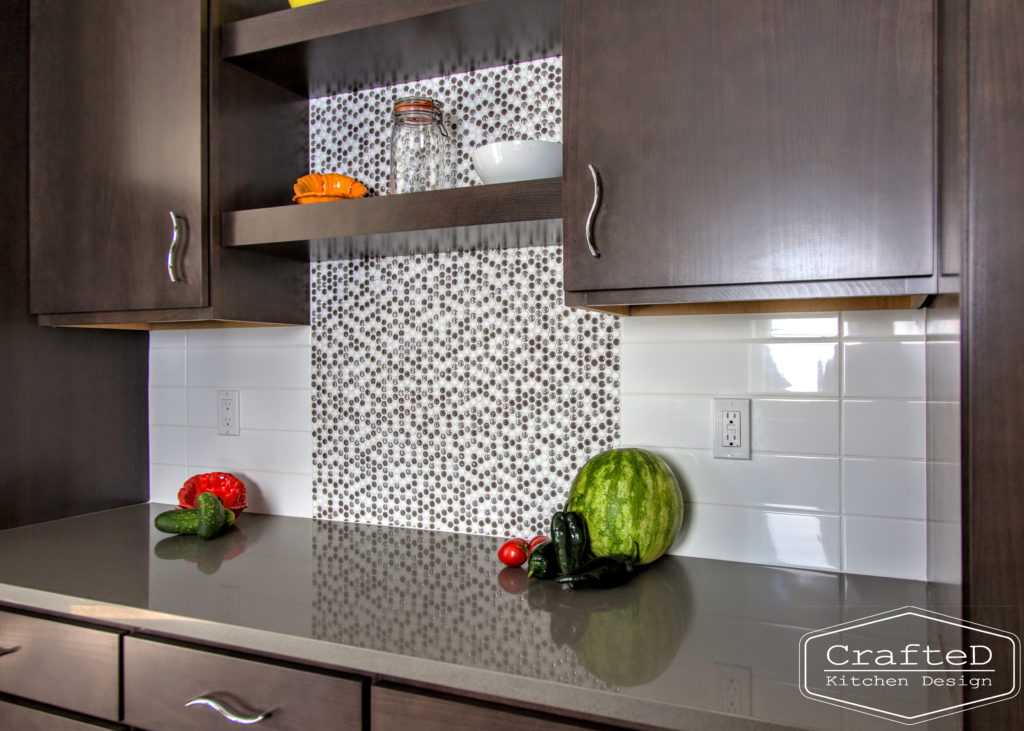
{"x":593,"y":211}
{"x":179,"y":236}
{"x":9,"y":650}
{"x":226,"y":712}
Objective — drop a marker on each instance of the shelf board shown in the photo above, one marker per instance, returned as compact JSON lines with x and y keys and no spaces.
{"x":344,"y":45}
{"x":507,"y":215}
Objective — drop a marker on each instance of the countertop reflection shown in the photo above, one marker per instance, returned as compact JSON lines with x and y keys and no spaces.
{"x":685,"y":636}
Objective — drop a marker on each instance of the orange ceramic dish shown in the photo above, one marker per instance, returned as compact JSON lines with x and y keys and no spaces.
{"x":327,"y":186}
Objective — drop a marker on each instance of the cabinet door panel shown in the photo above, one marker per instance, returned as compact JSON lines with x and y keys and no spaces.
{"x":116,"y":143}
{"x":749,"y":142}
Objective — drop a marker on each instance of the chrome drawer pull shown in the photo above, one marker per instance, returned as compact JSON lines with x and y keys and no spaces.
{"x":9,"y":650}
{"x":179,"y":234}
{"x":593,"y":211}
{"x":226,"y":712}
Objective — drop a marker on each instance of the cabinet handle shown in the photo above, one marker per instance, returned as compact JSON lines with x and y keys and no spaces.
{"x":226,"y":712}
{"x":9,"y":650}
{"x":593,"y":211}
{"x":179,"y":235}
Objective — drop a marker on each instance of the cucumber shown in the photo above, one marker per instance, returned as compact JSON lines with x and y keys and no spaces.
{"x":211,"y":515}
{"x":185,"y":521}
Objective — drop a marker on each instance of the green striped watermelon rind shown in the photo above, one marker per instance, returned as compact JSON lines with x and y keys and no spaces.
{"x":628,"y":495}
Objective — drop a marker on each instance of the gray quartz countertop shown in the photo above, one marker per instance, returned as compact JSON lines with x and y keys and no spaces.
{"x":689,"y":643}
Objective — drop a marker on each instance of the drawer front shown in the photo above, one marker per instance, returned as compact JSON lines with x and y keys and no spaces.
{"x":159,"y":679}
{"x":398,"y":710}
{"x":60,"y":664}
{"x":23,"y":718}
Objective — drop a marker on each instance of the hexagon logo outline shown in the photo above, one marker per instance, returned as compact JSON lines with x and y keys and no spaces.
{"x":927,"y":615}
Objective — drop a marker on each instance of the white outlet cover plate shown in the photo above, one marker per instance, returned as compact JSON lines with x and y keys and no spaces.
{"x":718,"y":428}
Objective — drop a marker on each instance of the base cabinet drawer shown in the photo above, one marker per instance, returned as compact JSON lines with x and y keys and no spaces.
{"x":60,"y":664}
{"x":172,"y":687}
{"x":25,"y":718}
{"x":393,"y":709}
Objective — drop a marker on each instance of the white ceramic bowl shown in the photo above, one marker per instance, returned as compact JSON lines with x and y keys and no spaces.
{"x":505,"y":162}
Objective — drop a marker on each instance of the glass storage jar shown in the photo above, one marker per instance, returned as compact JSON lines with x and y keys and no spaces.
{"x":420,"y":156}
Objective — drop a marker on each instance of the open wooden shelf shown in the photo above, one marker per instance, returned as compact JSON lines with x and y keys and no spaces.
{"x":506,"y":215}
{"x":343,"y":45}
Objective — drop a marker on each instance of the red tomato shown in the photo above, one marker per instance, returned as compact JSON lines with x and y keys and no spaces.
{"x":536,"y":541}
{"x":513,"y":552}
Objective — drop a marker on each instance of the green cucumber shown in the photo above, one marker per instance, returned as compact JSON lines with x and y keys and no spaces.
{"x":211,"y":515}
{"x":185,"y":521}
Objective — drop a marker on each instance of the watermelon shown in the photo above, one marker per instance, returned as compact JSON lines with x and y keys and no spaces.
{"x":629,"y":499}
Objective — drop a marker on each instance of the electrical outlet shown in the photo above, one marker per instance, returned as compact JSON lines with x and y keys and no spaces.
{"x":227,"y":413}
{"x":733,"y":688}
{"x":730,"y":428}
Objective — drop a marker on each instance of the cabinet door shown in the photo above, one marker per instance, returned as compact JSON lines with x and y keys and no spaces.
{"x":116,"y":144}
{"x":745,"y":141}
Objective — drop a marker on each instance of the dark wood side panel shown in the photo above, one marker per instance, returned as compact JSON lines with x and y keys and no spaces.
{"x":74,"y":432}
{"x":952,"y":135}
{"x":160,"y":678}
{"x":61,"y":664}
{"x":993,"y":337}
{"x":117,"y":142}
{"x":392,"y":709}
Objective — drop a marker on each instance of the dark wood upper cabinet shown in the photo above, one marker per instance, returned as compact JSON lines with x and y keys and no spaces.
{"x":127,"y":117}
{"x":750,"y":150}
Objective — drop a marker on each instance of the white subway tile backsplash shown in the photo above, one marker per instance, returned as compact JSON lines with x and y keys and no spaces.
{"x":167,"y":406}
{"x":797,"y":426}
{"x":885,"y":488}
{"x":884,"y":547}
{"x":943,"y":370}
{"x":884,"y":429}
{"x":265,"y":451}
{"x":730,"y":327}
{"x":760,"y":536}
{"x":277,"y":409}
{"x":884,"y":324}
{"x":730,"y":368}
{"x":944,"y":493}
{"x":667,"y":421}
{"x":777,"y":482}
{"x":168,"y":445}
{"x":884,"y":369}
{"x":246,"y":367}
{"x":167,"y":366}
{"x":165,"y":481}
{"x":167,"y":339}
{"x":250,"y":337}
{"x":945,"y":552}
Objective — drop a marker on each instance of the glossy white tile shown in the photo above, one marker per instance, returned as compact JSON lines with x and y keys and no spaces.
{"x":274,"y":493}
{"x":882,"y":369}
{"x":759,"y":536}
{"x":885,"y":547}
{"x":249,"y":337}
{"x":167,"y":366}
{"x":775,"y":482}
{"x":265,"y":451}
{"x":168,"y":445}
{"x":943,"y":431}
{"x":943,"y":370}
{"x":884,"y":429}
{"x":797,"y":426}
{"x":666,"y":421}
{"x":167,"y":406}
{"x":944,"y":491}
{"x":259,"y":408}
{"x":167,"y":338}
{"x":883,"y":324}
{"x":730,"y":368}
{"x":945,"y":552}
{"x":885,"y":488}
{"x":731,"y":327}
{"x":242,"y":367}
{"x":165,"y":481}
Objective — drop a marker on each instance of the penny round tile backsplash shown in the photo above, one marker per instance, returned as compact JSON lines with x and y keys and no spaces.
{"x":452,"y":391}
